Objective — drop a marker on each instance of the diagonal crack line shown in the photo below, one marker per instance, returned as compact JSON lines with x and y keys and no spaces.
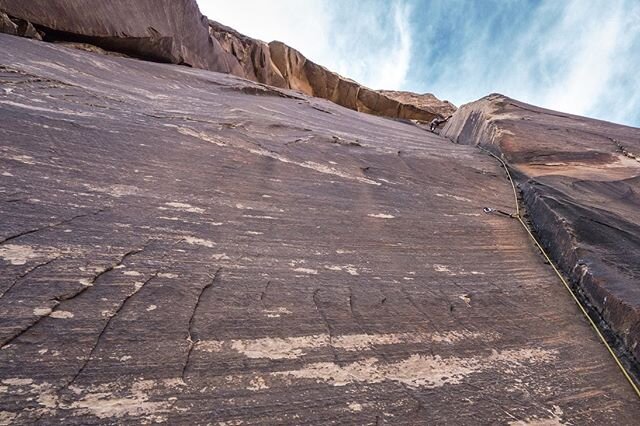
{"x":51,"y":225}
{"x":355,"y":316}
{"x":191,"y":338}
{"x":27,"y":272}
{"x":326,"y":324}
{"x":419,"y":309}
{"x":59,"y":300}
{"x":263,"y":295}
{"x":106,"y":326}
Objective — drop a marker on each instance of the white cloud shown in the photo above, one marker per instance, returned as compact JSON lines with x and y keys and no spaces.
{"x":370,"y":44}
{"x":575,"y":56}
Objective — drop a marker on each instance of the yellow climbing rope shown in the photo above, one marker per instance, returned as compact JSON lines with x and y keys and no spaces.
{"x":564,"y":282}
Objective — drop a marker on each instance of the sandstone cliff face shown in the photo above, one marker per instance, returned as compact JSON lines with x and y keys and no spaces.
{"x":175,"y":31}
{"x":257,"y":256}
{"x":280,"y":65}
{"x":580,"y":184}
{"x":171,"y":31}
{"x":426,"y":101}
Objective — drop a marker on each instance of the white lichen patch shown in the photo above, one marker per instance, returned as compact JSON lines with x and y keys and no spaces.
{"x":307,"y":271}
{"x":132,"y":273}
{"x":333,"y":267}
{"x":276,"y":313}
{"x":167,"y":275}
{"x":554,"y":420}
{"x":199,"y":241}
{"x":355,"y":407}
{"x":104,"y":405}
{"x":61,"y":314}
{"x":295,"y":347}
{"x":251,"y":216}
{"x":441,"y":268}
{"x":24,"y":159}
{"x":17,"y":381}
{"x":449,"y":270}
{"x":278,"y":348}
{"x":185,"y":207}
{"x":7,"y":417}
{"x":257,"y":383}
{"x":381,"y":215}
{"x":349,"y":269}
{"x":210,"y":345}
{"x":101,"y":401}
{"x":454,"y":197}
{"x":18,"y":254}
{"x":199,"y":135}
{"x":41,"y":311}
{"x":418,"y":370}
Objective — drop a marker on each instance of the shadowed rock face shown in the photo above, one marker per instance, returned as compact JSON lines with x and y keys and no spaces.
{"x":188,"y":247}
{"x":171,"y":31}
{"x":175,"y":31}
{"x":580,"y":183}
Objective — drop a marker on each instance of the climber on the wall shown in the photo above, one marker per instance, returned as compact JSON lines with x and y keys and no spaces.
{"x":437,"y":122}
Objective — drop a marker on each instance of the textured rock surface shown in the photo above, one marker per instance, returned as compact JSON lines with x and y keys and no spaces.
{"x":255,"y":256}
{"x":580,"y":182}
{"x":280,"y":65}
{"x":426,"y":101}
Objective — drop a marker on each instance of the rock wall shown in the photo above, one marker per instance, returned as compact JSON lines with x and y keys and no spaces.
{"x":171,"y":31}
{"x":580,"y":183}
{"x":280,"y":65}
{"x":184,"y":247}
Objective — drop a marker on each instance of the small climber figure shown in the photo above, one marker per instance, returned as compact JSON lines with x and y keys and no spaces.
{"x":436,"y":122}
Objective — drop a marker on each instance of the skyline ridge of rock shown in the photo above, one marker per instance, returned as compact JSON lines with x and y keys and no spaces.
{"x":178,"y":33}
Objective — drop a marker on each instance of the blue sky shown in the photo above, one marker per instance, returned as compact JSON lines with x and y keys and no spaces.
{"x":577,"y":56}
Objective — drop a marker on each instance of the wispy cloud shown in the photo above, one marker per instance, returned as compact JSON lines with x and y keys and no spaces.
{"x":576,"y":56}
{"x":370,"y":42}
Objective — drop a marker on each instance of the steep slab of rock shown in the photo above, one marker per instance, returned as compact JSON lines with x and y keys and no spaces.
{"x":580,"y":182}
{"x":189,"y":247}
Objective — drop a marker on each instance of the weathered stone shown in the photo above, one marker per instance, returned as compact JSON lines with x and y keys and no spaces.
{"x":163,"y":30}
{"x":7,"y":26}
{"x":425,"y":101}
{"x":580,"y":184}
{"x":253,"y":55}
{"x":189,"y":247}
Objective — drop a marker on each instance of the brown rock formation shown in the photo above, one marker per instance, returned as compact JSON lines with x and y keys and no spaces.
{"x":426,"y":101}
{"x":171,"y":31}
{"x":280,"y":65}
{"x":175,"y":31}
{"x":253,"y":55}
{"x":256,"y":256}
{"x":580,"y":183}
